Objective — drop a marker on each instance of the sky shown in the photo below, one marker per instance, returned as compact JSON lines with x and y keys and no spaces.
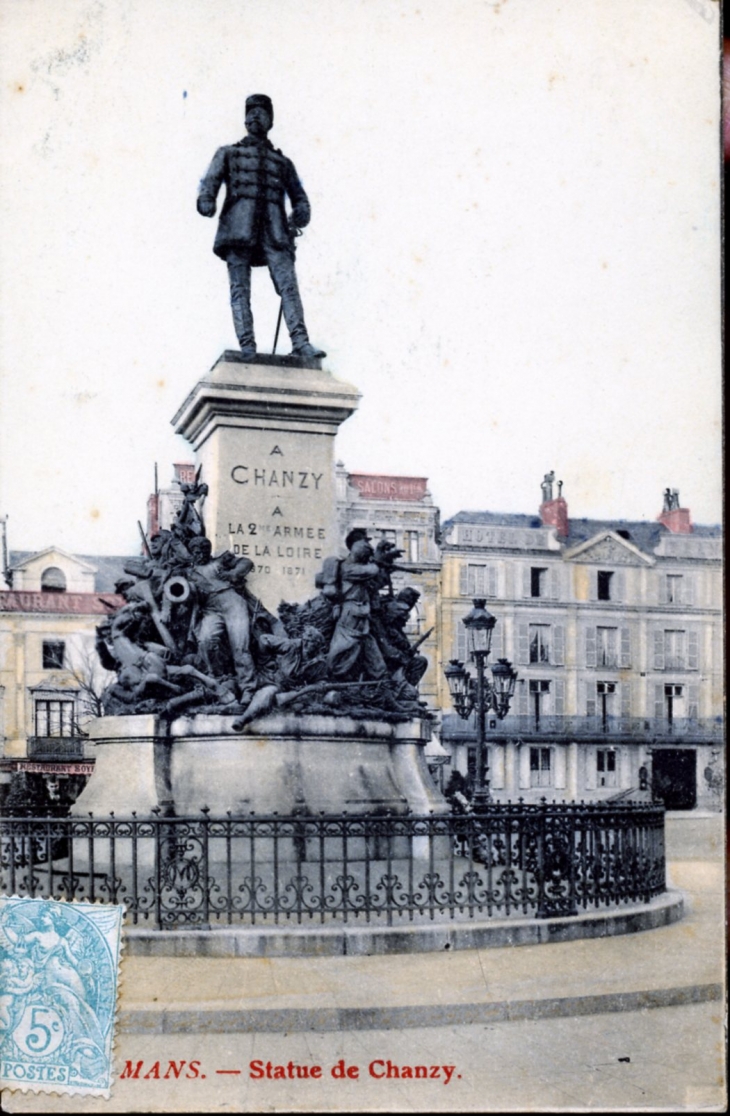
{"x":513,"y":251}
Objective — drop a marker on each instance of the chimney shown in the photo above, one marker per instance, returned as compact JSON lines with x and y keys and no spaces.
{"x":554,"y":509}
{"x":675,"y":519}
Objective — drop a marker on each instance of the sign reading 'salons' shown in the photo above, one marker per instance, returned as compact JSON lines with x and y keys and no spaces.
{"x":192,"y":637}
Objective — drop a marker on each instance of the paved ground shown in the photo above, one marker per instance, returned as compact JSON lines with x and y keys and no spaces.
{"x":666,"y":1058}
{"x":676,"y":964}
{"x":578,"y":1040}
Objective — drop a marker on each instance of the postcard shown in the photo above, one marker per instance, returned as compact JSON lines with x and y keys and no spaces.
{"x":400,"y":314}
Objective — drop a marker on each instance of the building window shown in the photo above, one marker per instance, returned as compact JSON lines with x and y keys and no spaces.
{"x":675,"y":585}
{"x":54,"y":653}
{"x":53,"y":580}
{"x":604,"y":585}
{"x":54,"y":718}
{"x":539,"y":690}
{"x":540,"y":767}
{"x":387,"y":533}
{"x":605,"y":693}
{"x":606,"y":775}
{"x":411,"y":547}
{"x":476,"y":581}
{"x":673,"y":702}
{"x":607,"y":640}
{"x":539,"y":643}
{"x":675,"y":646}
{"x":538,"y":581}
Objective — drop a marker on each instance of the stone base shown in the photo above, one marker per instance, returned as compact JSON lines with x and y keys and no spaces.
{"x":132,"y":767}
{"x":284,"y":764}
{"x":441,"y":934}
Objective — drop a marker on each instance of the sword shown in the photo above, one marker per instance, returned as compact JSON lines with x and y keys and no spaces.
{"x":278,"y":326}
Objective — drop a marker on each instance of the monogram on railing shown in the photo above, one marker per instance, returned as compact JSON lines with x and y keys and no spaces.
{"x":512,"y":859}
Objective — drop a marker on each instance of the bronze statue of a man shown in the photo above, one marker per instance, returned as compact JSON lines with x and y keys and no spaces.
{"x":254,"y":228}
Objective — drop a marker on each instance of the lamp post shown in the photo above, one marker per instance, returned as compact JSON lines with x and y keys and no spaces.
{"x":479,"y":694}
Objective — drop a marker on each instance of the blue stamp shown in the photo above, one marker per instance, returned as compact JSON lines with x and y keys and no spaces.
{"x":59,"y":966}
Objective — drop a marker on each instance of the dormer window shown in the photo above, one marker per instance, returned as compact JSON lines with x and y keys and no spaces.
{"x":604,"y":585}
{"x":53,"y":580}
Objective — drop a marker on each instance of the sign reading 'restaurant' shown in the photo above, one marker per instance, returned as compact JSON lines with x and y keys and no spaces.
{"x":373,"y":487}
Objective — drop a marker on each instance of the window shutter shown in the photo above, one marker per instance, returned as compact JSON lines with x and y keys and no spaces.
{"x":524,"y":767}
{"x":590,"y":698}
{"x":590,"y":646}
{"x":593,"y":584}
{"x":559,"y":690}
{"x":526,"y":581}
{"x":659,"y":701}
{"x":625,"y":659}
{"x":523,"y":644}
{"x":558,"y":644}
{"x":618,"y":585}
{"x":522,"y":704}
{"x":688,"y":589}
{"x":625,"y":688}
{"x":462,"y":650}
{"x":555,"y":573}
{"x":693,"y":649}
{"x":492,"y":580}
{"x":693,"y":701}
{"x":558,"y":757}
{"x":497,"y":641}
{"x":623,"y":765}
{"x":658,"y":649}
{"x":496,"y":766}
{"x":463,"y":580}
{"x":662,"y":588}
{"x":590,"y":771}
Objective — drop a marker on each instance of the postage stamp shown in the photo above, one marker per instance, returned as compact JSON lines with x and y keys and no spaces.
{"x":59,"y":968}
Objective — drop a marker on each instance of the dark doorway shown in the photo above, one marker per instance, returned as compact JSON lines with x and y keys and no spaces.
{"x":674,"y":777}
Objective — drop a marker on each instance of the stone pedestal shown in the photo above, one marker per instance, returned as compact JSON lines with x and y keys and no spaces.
{"x":289,"y":764}
{"x":284,"y":764}
{"x":264,"y":435}
{"x":132,"y":767}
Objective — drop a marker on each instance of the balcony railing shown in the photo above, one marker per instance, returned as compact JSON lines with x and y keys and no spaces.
{"x":510,"y":859}
{"x":582,"y":728}
{"x":56,"y":747}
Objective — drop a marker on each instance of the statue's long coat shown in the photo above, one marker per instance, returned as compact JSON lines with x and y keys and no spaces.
{"x":257,"y":178}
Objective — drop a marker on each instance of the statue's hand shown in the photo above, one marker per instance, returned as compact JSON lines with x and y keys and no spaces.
{"x":206,"y":207}
{"x":299,"y":217}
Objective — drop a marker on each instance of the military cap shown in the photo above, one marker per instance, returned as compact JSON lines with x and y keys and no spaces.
{"x":355,"y":535}
{"x":260,"y":100}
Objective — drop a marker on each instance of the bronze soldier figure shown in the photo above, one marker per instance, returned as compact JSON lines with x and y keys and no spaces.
{"x":254,"y":229}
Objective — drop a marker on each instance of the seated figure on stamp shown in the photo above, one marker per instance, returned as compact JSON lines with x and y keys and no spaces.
{"x":254,"y":228}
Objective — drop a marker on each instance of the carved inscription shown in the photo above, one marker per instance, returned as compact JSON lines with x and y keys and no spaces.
{"x":304,"y":479}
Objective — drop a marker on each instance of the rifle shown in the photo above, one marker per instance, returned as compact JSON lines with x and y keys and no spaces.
{"x":421,"y":640}
{"x":145,"y":544}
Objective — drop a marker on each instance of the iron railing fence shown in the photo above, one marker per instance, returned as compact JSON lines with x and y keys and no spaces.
{"x":513,"y":859}
{"x":582,"y":727}
{"x":56,"y":746}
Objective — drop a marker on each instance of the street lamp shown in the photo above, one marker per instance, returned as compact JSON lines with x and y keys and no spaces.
{"x":469,"y":694}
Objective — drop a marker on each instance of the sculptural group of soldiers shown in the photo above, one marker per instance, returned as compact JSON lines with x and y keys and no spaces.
{"x":191,"y":635}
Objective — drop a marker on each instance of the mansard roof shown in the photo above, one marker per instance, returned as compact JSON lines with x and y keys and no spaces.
{"x":644,"y":534}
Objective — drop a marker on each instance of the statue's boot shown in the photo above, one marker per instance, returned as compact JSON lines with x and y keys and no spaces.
{"x":307,"y":351}
{"x":285,"y":282}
